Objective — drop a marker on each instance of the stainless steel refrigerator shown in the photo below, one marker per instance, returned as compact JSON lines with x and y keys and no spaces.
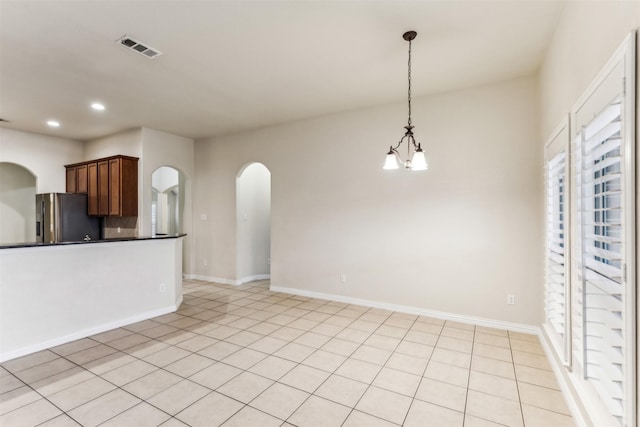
{"x":63,"y":217}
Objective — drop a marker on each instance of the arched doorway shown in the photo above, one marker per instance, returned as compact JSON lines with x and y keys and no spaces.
{"x":17,"y":204}
{"x":253,"y":219}
{"x":167,"y":201}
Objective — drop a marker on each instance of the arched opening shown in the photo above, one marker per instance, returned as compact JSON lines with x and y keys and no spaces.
{"x":253,"y":217}
{"x":17,"y":204}
{"x":167,"y":201}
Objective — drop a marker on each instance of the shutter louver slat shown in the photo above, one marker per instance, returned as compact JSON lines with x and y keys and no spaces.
{"x":603,"y":269}
{"x":611,"y":113}
{"x":602,"y":239}
{"x":594,"y":144}
{"x":603,"y":253}
{"x":607,"y":150}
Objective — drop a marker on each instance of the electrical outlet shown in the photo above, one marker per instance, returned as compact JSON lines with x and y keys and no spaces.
{"x":511,"y":299}
{"x":343,"y":278}
{"x":119,"y":230}
{"x":162,"y":287}
{"x":205,"y":262}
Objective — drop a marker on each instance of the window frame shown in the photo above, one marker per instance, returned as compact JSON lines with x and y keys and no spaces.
{"x":558,"y":142}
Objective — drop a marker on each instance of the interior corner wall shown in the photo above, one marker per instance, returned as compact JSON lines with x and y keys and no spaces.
{"x":26,"y":149}
{"x":154,"y":149}
{"x":457,"y":238}
{"x":586,"y":36}
{"x":165,"y":149}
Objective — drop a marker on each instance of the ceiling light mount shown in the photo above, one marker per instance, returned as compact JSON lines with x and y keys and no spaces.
{"x":409,"y":35}
{"x":416,"y":161}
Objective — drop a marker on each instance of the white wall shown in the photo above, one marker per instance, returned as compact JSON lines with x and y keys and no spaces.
{"x":155,"y":149}
{"x":56,"y":294}
{"x":587,"y":35}
{"x":164,"y":149}
{"x":457,"y":238}
{"x":17,"y":204}
{"x":127,"y":143}
{"x":44,"y":156}
{"x":253,"y":222}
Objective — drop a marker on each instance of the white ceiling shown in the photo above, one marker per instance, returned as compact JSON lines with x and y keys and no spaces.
{"x":235,"y":65}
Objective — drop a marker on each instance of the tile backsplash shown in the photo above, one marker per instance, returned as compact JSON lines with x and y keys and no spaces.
{"x":128,"y":227}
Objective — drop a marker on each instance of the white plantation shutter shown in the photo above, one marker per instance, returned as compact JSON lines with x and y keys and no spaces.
{"x":556,"y":246}
{"x":601,"y":261}
{"x":599,"y":252}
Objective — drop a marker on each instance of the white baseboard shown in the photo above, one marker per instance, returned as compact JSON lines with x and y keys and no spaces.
{"x":225,"y":281}
{"x":5,"y":356}
{"x":254,"y":278}
{"x":179,"y":301}
{"x":490,"y":323}
{"x":221,"y":280}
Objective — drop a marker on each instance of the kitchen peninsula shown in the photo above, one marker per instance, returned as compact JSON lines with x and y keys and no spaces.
{"x":51,"y":294}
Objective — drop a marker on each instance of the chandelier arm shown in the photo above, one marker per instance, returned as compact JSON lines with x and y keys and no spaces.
{"x":399,"y":144}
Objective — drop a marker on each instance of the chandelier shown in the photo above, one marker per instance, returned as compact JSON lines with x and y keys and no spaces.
{"x":417,"y":161}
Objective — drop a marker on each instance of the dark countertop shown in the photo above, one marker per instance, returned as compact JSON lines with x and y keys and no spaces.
{"x":123,"y":239}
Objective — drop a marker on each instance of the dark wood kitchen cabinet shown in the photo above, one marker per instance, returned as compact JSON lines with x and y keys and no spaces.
{"x":103,"y":187}
{"x":72,"y":184}
{"x":77,"y":179}
{"x":123,"y":186}
{"x":82,"y":179}
{"x":110,"y":183}
{"x":92,"y":178}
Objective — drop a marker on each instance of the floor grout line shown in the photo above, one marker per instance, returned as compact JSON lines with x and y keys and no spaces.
{"x":256,"y":313}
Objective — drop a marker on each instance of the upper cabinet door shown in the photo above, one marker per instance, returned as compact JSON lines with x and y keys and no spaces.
{"x":103,"y":188}
{"x":92,"y":188}
{"x":82,"y":183}
{"x":115,"y":189}
{"x":71,"y":180}
{"x":128,"y":186}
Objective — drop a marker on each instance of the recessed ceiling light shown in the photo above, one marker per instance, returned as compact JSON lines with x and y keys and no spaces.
{"x":53,"y":123}
{"x":98,"y":106}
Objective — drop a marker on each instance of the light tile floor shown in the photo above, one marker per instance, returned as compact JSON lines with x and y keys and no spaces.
{"x":246,"y":356}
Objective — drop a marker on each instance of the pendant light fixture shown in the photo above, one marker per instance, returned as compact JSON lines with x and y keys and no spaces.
{"x":415,"y":161}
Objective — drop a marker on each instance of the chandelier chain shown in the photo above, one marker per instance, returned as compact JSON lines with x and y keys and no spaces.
{"x":409,"y":79}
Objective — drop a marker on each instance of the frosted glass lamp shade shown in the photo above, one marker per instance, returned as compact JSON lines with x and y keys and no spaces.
{"x":391,"y":162}
{"x":419,"y":162}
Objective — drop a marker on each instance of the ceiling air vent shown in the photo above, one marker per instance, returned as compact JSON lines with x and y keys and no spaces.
{"x":136,"y":46}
